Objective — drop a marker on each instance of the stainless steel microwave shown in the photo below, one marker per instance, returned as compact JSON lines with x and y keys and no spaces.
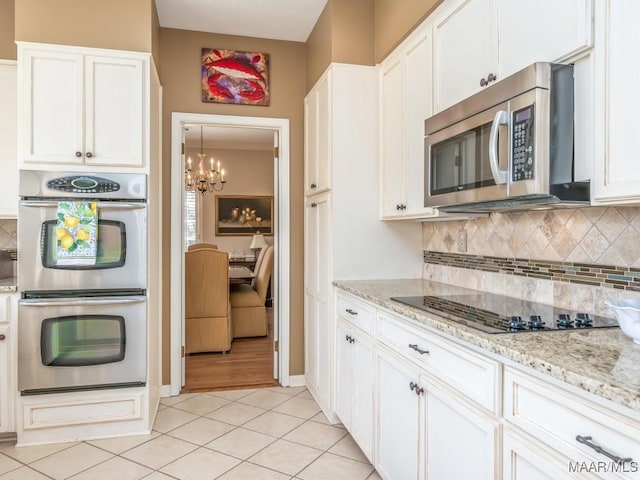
{"x":508,"y":147}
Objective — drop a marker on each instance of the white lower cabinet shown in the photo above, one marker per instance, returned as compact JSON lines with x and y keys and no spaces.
{"x":354,"y":376}
{"x":399,"y":405}
{"x":6,"y":410}
{"x":461,"y":442}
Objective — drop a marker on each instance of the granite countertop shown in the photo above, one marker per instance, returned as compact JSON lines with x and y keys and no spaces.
{"x":8,"y":285}
{"x":602,"y":361}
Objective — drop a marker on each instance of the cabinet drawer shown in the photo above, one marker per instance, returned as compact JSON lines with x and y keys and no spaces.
{"x":355,"y":311}
{"x":557,"y":418}
{"x":474,"y":376}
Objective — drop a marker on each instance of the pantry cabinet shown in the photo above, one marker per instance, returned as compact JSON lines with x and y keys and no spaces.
{"x":317,"y":134}
{"x":479,"y":42}
{"x":82,"y":107}
{"x":8,"y":380}
{"x":8,"y":139}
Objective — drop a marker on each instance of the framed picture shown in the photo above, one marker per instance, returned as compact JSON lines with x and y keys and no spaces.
{"x":244,"y":215}
{"x":230,"y":76}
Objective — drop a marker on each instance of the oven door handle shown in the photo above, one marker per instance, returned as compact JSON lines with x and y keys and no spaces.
{"x":102,"y":205}
{"x":80,"y":302}
{"x":499,"y":176}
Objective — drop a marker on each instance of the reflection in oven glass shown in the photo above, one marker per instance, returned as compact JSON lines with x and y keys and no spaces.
{"x":81,"y":340}
{"x":111,"y":250}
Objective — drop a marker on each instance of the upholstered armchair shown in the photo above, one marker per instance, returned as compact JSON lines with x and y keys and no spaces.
{"x":207,"y":319}
{"x":248,"y":313}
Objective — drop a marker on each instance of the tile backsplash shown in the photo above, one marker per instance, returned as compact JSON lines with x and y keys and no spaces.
{"x":8,"y":234}
{"x":551,"y":256}
{"x":602,"y":235}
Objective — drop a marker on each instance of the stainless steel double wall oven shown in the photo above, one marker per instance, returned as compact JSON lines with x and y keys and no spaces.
{"x":82,"y":326}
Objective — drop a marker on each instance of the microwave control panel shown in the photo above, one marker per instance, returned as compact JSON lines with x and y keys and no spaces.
{"x":83,"y":184}
{"x":522,"y":156}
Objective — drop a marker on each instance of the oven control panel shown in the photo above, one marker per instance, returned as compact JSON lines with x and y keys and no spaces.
{"x":83,"y":184}
{"x":522,"y":157}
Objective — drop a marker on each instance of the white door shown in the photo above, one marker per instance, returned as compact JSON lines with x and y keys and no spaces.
{"x":466,"y":51}
{"x":276,"y":275}
{"x":6,"y":366}
{"x":399,"y":418}
{"x":8,"y":139}
{"x":461,"y":442}
{"x":114,"y":111}
{"x":566,"y":26}
{"x":392,"y":139}
{"x":362,"y":407}
{"x":52,"y":102}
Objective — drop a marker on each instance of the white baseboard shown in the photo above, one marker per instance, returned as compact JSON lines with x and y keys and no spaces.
{"x":297,"y":381}
{"x":165,"y":391}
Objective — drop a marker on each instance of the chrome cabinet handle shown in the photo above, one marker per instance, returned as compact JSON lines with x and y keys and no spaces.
{"x":599,"y":449}
{"x":349,"y":338}
{"x":101,"y":205}
{"x":350,"y":312}
{"x":314,"y":205}
{"x":313,"y":185}
{"x":81,"y":302}
{"x":78,"y":154}
{"x":491,"y":78}
{"x":416,"y":388}
{"x":483,"y":82}
{"x":415,"y":347}
{"x":89,"y":154}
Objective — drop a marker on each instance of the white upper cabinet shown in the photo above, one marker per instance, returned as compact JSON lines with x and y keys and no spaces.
{"x":8,"y":139}
{"x":465,"y":50}
{"x":479,"y":42}
{"x":317,"y":112}
{"x":616,"y":79}
{"x":81,"y":108}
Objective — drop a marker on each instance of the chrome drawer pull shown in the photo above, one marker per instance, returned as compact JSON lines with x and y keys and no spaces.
{"x":415,"y":347}
{"x":597,"y":448}
{"x":351,"y":312}
{"x":416,"y":388}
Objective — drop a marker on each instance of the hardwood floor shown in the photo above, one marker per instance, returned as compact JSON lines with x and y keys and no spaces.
{"x":249,"y":363}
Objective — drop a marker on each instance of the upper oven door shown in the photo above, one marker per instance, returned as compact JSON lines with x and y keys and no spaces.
{"x":121,"y":249}
{"x":468,"y":161}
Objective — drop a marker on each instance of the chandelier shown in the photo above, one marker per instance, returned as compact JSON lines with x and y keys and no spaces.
{"x":203,"y":180}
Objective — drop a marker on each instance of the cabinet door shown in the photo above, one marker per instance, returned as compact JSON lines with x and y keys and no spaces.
{"x":616,"y":173}
{"x":311,"y":341}
{"x":465,"y":51}
{"x":523,"y":460}
{"x":8,"y":140}
{"x":114,"y":111}
{"x":566,"y":26}
{"x":52,"y":105}
{"x":311,"y":142}
{"x":344,"y":374}
{"x":318,"y":137}
{"x":399,"y":419}
{"x":461,"y":442}
{"x":6,"y":403}
{"x":362,"y":407}
{"x":418,"y":90}
{"x":392,"y":151}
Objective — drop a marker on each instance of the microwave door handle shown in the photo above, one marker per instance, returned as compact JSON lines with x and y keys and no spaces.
{"x":499,"y":176}
{"x":102,"y":205}
{"x":76,"y":302}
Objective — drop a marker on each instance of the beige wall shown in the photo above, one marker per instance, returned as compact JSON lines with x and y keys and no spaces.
{"x":344,"y":33}
{"x":248,"y":172}
{"x":115,"y":24}
{"x":155,"y":35}
{"x":395,"y":20}
{"x":7,"y":45}
{"x":180,"y":53}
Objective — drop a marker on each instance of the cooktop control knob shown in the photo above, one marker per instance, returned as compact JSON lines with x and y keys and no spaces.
{"x":516,"y":323}
{"x":535,"y":322}
{"x":583,"y":320}
{"x":564,"y":321}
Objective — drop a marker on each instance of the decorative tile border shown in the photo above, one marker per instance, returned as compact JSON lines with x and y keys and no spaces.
{"x":623,"y":278}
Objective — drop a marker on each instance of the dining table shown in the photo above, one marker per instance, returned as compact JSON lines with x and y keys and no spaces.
{"x":240,"y":274}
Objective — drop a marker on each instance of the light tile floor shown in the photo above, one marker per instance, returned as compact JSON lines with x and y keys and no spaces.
{"x":260,"y":434}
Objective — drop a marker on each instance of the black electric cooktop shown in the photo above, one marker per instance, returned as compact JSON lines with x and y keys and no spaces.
{"x":501,"y":314}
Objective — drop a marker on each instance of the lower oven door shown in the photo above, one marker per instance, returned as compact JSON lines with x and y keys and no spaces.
{"x":81,"y":343}
{"x":121,"y":249}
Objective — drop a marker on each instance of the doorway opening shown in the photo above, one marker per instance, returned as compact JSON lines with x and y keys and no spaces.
{"x":251,"y":361}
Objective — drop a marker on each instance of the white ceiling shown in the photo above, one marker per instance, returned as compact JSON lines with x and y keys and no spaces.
{"x":232,"y":138}
{"x":290,"y":20}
